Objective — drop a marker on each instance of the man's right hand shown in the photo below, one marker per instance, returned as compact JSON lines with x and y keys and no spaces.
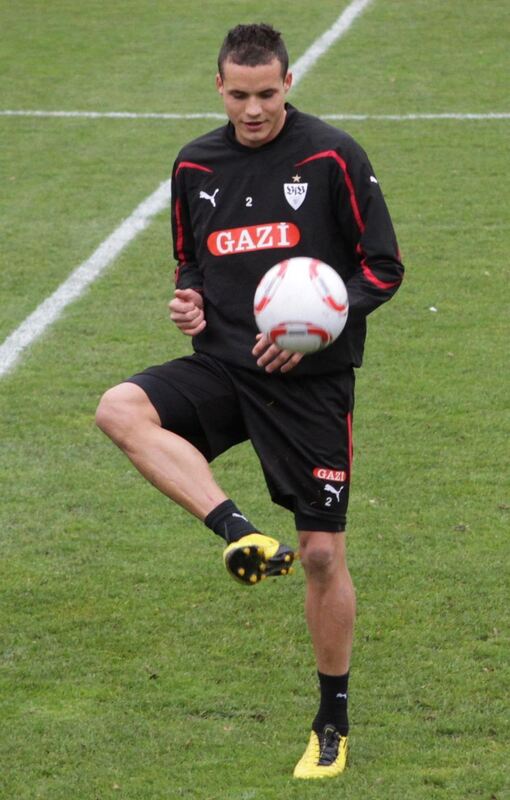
{"x":187,"y":311}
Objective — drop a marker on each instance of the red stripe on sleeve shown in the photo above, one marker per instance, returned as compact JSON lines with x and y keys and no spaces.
{"x":367,"y":272}
{"x":369,"y":275}
{"x":352,"y":194}
{"x":179,"y":245}
{"x":191,"y":165}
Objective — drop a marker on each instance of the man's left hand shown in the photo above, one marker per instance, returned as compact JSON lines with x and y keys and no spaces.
{"x":272,"y":358}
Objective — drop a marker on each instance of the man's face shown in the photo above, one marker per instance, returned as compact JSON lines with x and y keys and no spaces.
{"x":254,"y":99}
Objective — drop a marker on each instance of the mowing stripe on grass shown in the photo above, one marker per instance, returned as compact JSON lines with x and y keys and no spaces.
{"x":51,"y":308}
{"x":488,"y":115}
{"x":74,"y":286}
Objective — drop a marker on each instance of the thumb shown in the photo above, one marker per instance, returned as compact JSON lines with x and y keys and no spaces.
{"x":190,"y":296}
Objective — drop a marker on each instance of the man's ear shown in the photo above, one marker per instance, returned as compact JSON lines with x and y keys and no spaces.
{"x":287,"y":82}
{"x":219,"y":83}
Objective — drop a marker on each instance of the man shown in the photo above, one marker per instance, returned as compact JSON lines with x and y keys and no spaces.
{"x":235,"y":213}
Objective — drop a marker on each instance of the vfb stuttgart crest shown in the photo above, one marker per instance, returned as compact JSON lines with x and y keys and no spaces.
{"x":295,"y":193}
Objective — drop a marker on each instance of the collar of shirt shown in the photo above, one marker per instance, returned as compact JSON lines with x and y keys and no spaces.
{"x":290,"y":119}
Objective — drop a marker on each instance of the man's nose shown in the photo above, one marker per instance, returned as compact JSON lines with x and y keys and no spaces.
{"x":253,"y":108}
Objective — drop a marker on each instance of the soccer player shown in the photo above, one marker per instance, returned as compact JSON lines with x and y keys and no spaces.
{"x":270,"y":184}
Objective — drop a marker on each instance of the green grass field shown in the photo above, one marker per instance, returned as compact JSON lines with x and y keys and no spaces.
{"x":127,"y":668}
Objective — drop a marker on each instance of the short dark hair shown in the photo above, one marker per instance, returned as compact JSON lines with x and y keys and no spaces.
{"x":252,"y":45}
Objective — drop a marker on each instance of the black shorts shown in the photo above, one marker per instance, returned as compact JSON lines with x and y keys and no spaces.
{"x":300,"y":427}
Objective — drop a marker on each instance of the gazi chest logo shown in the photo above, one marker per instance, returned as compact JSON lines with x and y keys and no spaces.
{"x":270,"y":236}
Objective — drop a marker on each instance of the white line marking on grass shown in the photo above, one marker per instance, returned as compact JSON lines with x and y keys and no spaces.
{"x":423,"y":116}
{"x":109,"y":114}
{"x":488,"y":115}
{"x":324,"y":42}
{"x":72,"y":288}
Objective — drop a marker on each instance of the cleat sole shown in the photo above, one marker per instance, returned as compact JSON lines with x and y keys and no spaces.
{"x":249,"y":564}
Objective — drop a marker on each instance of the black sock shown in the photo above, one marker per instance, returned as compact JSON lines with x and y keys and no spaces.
{"x":333,"y":705}
{"x":227,"y":521}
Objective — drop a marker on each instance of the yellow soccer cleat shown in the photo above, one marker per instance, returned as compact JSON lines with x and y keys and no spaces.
{"x":255,"y":557}
{"x":325,"y":755}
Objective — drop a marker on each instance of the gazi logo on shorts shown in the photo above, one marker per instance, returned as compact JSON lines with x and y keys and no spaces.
{"x":327,"y":474}
{"x":271,"y":236}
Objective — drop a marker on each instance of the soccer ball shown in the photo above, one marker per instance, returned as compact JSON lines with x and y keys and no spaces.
{"x":301,"y":304}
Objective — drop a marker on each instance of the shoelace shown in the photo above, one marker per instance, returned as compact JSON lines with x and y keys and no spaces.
{"x":329,"y":746}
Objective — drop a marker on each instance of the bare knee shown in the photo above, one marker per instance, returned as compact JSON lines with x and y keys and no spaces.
{"x":113,"y":412}
{"x":322,"y":555}
{"x":122,"y":409}
{"x":317,"y":562}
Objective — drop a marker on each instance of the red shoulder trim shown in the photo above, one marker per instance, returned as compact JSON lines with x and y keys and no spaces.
{"x":352,"y":194}
{"x":191,"y":165}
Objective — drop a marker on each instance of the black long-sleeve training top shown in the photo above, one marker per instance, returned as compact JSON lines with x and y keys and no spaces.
{"x":237,"y":211}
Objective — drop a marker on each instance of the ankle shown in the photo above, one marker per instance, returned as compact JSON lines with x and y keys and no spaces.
{"x":333,"y":703}
{"x":228,"y":522}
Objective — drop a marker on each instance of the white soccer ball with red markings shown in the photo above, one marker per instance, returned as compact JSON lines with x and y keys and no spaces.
{"x":301,"y":304}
